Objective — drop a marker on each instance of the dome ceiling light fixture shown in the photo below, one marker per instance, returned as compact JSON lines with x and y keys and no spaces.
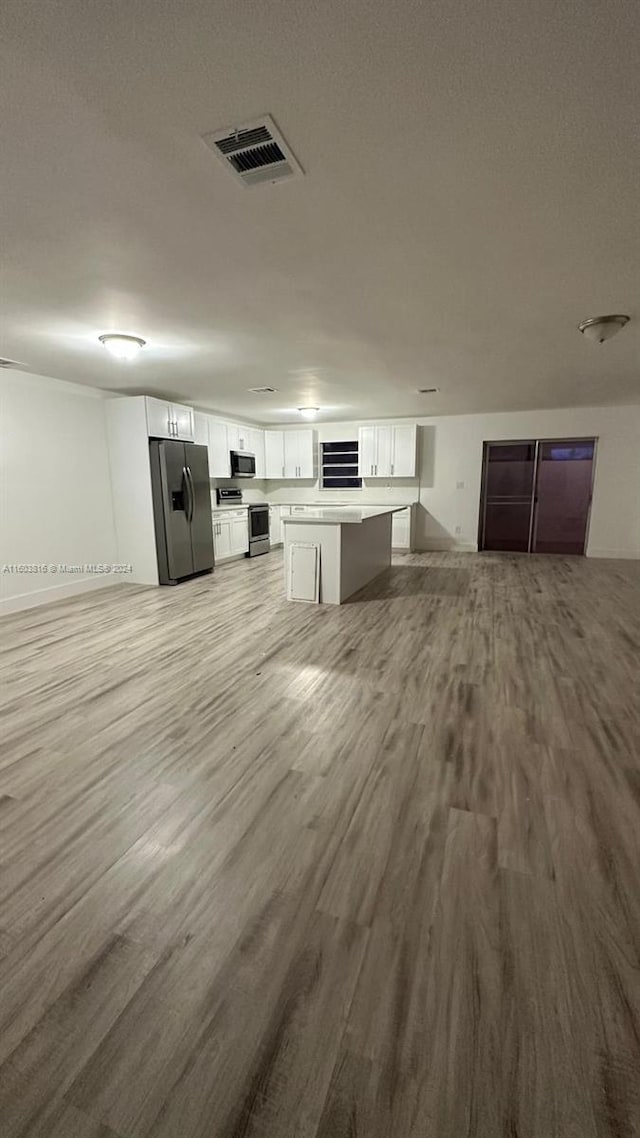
{"x":308,"y":412}
{"x":601,"y":328}
{"x":122,"y":347}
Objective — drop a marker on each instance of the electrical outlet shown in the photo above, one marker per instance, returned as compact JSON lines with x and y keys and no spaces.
{"x":458,"y":529}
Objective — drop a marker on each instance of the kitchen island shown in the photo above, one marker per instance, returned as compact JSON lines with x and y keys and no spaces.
{"x":353,"y":547}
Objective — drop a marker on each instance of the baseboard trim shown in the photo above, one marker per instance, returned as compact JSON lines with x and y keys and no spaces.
{"x":615,"y":554}
{"x":54,"y":593}
{"x":440,"y":545}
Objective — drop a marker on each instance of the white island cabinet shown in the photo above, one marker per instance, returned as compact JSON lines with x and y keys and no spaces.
{"x":352,"y":547}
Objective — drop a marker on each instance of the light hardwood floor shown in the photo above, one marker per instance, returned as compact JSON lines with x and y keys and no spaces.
{"x":284,"y":871}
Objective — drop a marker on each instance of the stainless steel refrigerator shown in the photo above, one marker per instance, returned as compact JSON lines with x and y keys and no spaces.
{"x":181,"y":509}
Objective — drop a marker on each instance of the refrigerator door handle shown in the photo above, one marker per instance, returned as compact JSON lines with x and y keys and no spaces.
{"x":192,"y":494}
{"x":186,"y":493}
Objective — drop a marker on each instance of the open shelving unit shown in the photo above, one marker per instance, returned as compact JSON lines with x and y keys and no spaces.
{"x":339,"y":466}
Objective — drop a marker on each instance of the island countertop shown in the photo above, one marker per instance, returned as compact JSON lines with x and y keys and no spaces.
{"x":338,"y":516}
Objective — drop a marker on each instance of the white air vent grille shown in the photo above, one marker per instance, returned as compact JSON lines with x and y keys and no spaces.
{"x":255,"y":152}
{"x":10,"y":363}
{"x":263,"y":390}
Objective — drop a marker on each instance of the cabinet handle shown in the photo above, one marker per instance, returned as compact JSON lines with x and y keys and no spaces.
{"x":283,"y":471}
{"x":392,"y":468}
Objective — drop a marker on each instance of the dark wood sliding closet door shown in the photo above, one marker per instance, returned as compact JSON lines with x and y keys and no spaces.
{"x":536,"y":495}
{"x":563,"y":495}
{"x":509,"y":479}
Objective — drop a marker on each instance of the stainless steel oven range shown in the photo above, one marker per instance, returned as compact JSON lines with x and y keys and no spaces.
{"x":258,"y":530}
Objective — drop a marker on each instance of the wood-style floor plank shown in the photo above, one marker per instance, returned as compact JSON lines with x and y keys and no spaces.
{"x":291,"y":871}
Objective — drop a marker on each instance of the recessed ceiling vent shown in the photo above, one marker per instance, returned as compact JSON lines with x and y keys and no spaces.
{"x":10,"y":363}
{"x":263,"y":390}
{"x":427,"y":390}
{"x":255,"y":152}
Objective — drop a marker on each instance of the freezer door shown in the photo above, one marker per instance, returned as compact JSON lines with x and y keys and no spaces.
{"x":199,"y":506}
{"x":175,"y":505}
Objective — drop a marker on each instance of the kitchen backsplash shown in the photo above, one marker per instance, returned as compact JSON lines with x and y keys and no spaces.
{"x":375,"y":491}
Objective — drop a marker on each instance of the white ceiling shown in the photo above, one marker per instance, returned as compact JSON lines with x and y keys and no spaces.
{"x":472,"y":191}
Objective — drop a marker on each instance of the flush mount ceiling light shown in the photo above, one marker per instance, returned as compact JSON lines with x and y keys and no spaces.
{"x":601,"y":328}
{"x":308,"y":412}
{"x":122,"y":347}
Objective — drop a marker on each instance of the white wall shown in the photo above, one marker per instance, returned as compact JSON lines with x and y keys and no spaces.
{"x":450,"y":452}
{"x":55,"y":494}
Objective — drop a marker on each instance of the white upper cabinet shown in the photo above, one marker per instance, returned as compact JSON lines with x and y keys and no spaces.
{"x":403,"y":453}
{"x":366,"y":451}
{"x":291,"y":454}
{"x":201,"y":429}
{"x":299,"y":454}
{"x":233,"y":436}
{"x":219,"y":462}
{"x":255,"y":445}
{"x":274,"y":454}
{"x":183,"y":418}
{"x":306,"y":454}
{"x":387,"y":451}
{"x":169,"y":420}
{"x":384,"y":447}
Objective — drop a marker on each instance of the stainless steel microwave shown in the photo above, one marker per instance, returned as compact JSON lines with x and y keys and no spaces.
{"x":243,"y":464}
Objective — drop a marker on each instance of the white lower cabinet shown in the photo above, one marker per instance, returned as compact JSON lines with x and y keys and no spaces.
{"x":275,"y":526}
{"x":230,"y":533}
{"x":401,"y":529}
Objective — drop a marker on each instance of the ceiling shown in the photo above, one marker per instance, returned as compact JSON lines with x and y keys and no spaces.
{"x":471,"y":192}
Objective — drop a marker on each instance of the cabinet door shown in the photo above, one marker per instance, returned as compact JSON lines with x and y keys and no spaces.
{"x":366,"y":451}
{"x":200,"y":429}
{"x":401,"y":530}
{"x":233,"y":436}
{"x":306,"y":444}
{"x":255,"y":444}
{"x":240,"y":535}
{"x":403,"y":455}
{"x":384,"y":438}
{"x":291,"y":454}
{"x":274,"y":454}
{"x":159,"y":419}
{"x":221,"y":538}
{"x":183,"y":419}
{"x":275,"y":526}
{"x":219,"y":466}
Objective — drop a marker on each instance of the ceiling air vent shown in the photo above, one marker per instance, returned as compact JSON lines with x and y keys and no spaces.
{"x":10,"y":363}
{"x":263,"y":390}
{"x":255,"y":152}
{"x":427,"y":390}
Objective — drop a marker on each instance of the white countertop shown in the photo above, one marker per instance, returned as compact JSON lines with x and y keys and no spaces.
{"x":238,"y":506}
{"x":339,"y":515}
